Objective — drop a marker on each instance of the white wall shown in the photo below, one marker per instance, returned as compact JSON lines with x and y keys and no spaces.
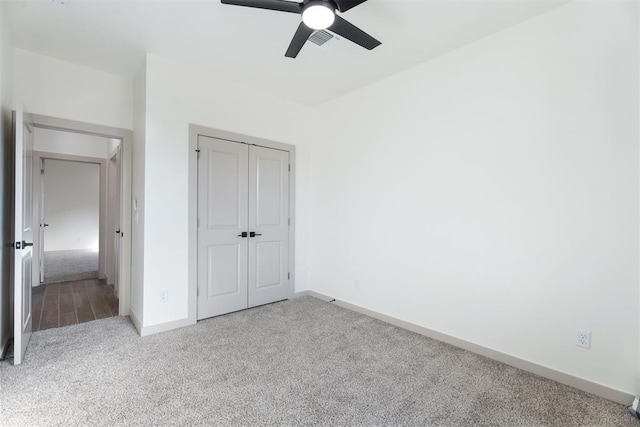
{"x":71,"y":205}
{"x":138,"y":181}
{"x":177,"y":96}
{"x":492,"y":194}
{"x":6,"y":161}
{"x":76,"y":144}
{"x":51,"y":87}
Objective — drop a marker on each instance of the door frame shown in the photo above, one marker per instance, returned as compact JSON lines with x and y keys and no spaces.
{"x":126,"y":140}
{"x":196,"y":131}
{"x":38,"y":157}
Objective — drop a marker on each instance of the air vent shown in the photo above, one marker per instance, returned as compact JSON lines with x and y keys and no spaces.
{"x":322,"y":38}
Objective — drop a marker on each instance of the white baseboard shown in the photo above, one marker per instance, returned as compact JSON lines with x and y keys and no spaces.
{"x":597,"y":389}
{"x":156,"y":329}
{"x":164,"y":327}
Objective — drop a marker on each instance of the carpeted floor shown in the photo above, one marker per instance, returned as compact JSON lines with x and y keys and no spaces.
{"x":301,"y":362}
{"x":69,"y":266}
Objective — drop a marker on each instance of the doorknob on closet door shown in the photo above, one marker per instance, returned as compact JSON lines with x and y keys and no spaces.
{"x":45,"y":225}
{"x":243,"y":235}
{"x":26,"y":244}
{"x":254,"y":234}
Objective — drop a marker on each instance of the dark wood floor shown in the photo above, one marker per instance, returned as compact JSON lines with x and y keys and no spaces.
{"x":69,"y":303}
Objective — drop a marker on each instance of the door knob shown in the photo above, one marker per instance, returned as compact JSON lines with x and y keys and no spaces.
{"x":25,"y":244}
{"x":243,"y":235}
{"x":254,"y":234}
{"x":45,"y":225}
{"x":118,"y":231}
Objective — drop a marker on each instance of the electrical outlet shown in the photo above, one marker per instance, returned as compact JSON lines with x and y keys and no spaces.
{"x":583,"y":339}
{"x":163,"y":296}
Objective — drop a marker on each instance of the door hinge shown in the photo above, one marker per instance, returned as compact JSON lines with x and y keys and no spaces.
{"x":288,"y":275}
{"x":198,"y":222}
{"x":41,"y":171}
{"x":289,"y":167}
{"x":289,"y":222}
{"x":198,"y":153}
{"x":197,"y":292}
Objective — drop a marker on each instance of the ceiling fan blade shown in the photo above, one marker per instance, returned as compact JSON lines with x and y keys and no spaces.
{"x":279,"y":5}
{"x":344,"y":5}
{"x":299,"y":39}
{"x":349,"y":31}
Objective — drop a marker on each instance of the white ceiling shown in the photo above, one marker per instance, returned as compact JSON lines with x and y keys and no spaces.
{"x":247,"y":45}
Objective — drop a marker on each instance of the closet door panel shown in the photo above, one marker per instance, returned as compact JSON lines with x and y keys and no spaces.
{"x":222,"y":217}
{"x":269,"y":220}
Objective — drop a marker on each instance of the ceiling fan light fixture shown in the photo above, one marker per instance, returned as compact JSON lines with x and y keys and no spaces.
{"x":318,"y":15}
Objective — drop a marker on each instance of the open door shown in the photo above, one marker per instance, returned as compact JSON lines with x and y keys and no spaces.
{"x":23,"y":240}
{"x":119,"y":215}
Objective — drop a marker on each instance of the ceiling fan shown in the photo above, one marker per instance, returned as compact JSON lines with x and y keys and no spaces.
{"x":316,"y":15}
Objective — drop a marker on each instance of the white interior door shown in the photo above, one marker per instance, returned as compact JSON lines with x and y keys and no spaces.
{"x":269,"y":223}
{"x":113,"y":219}
{"x":23,"y":241}
{"x":222,"y":220}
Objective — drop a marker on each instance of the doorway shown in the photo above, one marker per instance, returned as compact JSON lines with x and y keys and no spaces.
{"x":78,"y":209}
{"x":26,"y":272}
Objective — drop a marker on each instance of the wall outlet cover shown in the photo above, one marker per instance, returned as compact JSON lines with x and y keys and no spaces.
{"x":583,"y":339}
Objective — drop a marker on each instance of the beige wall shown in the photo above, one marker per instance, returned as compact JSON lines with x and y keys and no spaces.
{"x":71,"y":205}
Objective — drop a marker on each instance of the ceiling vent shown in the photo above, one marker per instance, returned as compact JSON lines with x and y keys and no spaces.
{"x":322,"y":38}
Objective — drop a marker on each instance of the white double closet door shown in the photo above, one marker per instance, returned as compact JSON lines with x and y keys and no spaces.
{"x":243,"y":226}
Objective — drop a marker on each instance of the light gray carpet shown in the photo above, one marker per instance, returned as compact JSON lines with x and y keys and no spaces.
{"x":68,"y":266}
{"x":301,"y":362}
